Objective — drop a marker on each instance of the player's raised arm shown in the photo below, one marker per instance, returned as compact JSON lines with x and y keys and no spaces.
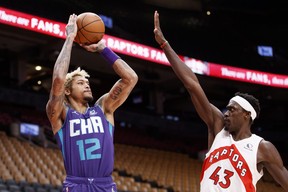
{"x":209,"y":113}
{"x":55,"y":105}
{"x":123,"y":87}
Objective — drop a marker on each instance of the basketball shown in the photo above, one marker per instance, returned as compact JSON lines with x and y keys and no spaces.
{"x":91,"y":28}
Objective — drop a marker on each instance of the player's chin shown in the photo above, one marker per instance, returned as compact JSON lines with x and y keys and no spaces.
{"x":89,"y":98}
{"x":226,"y":127}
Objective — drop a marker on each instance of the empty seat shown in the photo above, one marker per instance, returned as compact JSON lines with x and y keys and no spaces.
{"x":3,"y":186}
{"x":54,"y":190}
{"x":40,"y":189}
{"x":14,"y":188}
{"x":29,"y":189}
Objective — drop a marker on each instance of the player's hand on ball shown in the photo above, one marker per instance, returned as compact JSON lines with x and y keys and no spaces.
{"x":96,"y":47}
{"x":71,"y":27}
{"x":159,"y":37}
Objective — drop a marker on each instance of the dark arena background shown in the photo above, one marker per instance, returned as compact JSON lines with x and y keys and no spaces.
{"x":160,"y":141}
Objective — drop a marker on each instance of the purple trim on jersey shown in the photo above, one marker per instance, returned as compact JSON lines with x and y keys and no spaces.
{"x":86,"y":142}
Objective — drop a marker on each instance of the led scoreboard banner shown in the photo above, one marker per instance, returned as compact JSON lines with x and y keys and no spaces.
{"x":133,"y":49}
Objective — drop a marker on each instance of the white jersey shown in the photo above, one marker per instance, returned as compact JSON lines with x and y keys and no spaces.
{"x":231,"y":166}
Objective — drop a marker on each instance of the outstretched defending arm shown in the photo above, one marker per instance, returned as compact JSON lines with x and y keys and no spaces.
{"x":212,"y":116}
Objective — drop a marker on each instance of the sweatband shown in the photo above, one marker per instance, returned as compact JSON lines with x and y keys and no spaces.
{"x":245,"y":105}
{"x":164,"y":44}
{"x":109,"y":55}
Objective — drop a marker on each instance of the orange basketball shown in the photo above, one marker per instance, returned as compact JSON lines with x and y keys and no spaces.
{"x":91,"y":28}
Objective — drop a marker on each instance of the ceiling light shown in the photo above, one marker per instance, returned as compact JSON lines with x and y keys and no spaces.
{"x":38,"y":68}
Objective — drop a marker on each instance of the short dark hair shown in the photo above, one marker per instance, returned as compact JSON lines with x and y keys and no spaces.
{"x":252,"y":100}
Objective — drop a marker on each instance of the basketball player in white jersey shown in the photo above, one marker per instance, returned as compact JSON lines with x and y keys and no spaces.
{"x":236,"y":157}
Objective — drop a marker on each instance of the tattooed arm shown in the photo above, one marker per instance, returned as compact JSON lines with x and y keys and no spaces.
{"x":121,"y":89}
{"x":55,"y":106}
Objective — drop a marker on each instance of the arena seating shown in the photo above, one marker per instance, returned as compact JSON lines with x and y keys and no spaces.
{"x":26,"y":167}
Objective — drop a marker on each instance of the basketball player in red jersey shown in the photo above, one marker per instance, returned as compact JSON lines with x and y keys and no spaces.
{"x":236,"y":157}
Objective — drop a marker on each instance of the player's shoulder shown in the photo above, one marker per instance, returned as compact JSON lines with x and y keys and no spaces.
{"x":265,"y":145}
{"x":268,"y":153}
{"x":266,"y":148}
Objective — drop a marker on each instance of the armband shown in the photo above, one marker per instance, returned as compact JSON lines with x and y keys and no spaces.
{"x":109,"y":55}
{"x":164,"y":44}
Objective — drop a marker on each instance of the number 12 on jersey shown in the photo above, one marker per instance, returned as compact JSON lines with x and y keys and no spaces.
{"x":87,"y":153}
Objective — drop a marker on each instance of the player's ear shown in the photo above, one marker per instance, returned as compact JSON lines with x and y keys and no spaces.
{"x":67,"y":92}
{"x":248,"y":114}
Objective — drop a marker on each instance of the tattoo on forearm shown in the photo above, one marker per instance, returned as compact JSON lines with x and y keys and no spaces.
{"x":69,"y":29}
{"x":116,"y":92}
{"x":66,"y":52}
{"x":63,"y":60}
